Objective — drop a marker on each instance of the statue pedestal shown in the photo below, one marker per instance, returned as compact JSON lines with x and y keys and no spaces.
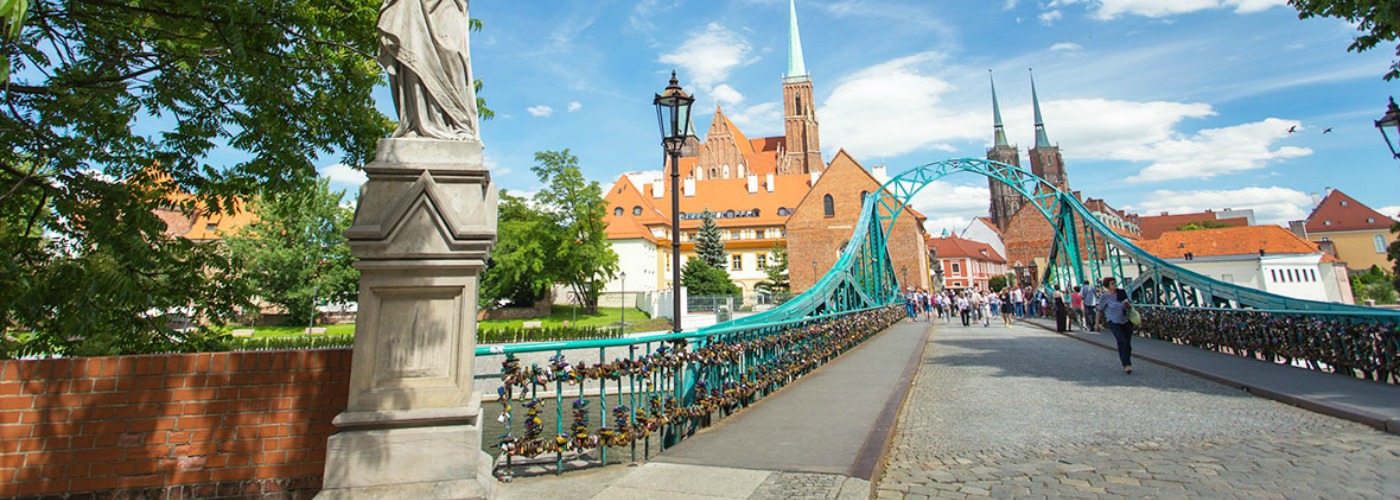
{"x":412,"y":429}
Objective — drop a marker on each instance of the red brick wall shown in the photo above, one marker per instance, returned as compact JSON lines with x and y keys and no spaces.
{"x":177,"y":425}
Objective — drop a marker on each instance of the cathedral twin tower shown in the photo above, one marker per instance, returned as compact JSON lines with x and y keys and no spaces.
{"x":1046,"y":163}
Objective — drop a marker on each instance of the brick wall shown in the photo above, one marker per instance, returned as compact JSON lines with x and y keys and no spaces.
{"x":236,"y":424}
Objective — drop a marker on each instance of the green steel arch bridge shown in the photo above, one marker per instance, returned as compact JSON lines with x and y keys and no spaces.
{"x":668,"y":385}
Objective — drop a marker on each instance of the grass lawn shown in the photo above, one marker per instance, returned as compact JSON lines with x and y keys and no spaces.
{"x":606,"y":316}
{"x":296,"y":331}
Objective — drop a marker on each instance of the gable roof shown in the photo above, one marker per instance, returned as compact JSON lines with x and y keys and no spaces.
{"x":1340,"y":212}
{"x":1229,"y":241}
{"x":843,"y":158}
{"x":953,"y":247}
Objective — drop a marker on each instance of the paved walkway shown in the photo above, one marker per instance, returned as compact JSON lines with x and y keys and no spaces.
{"x":1024,"y":412}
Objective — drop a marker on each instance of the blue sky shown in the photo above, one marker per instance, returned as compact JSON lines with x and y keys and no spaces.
{"x":1157,"y":105}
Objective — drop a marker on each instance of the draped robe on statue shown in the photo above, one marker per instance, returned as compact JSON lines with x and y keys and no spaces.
{"x":423,"y":47}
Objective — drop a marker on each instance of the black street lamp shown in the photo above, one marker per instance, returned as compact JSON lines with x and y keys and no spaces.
{"x":673,"y":116}
{"x":1390,"y":120}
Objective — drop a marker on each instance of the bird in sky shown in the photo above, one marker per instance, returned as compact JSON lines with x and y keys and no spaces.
{"x":1327,"y":130}
{"x":1292,"y":129}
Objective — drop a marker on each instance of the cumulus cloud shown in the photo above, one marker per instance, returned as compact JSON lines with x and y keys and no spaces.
{"x":950,"y":206}
{"x":575,"y":106}
{"x":1271,"y":205}
{"x":1049,"y":17}
{"x":759,"y":119}
{"x":343,"y":174}
{"x":540,"y":111}
{"x":1111,"y":9}
{"x":1065,"y":47}
{"x":894,"y":108}
{"x":707,"y":57}
{"x":723,"y":94}
{"x":1392,"y":211}
{"x":1213,"y":152}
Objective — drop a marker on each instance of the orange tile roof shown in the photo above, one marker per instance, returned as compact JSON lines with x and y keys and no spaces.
{"x":1152,"y":226}
{"x":768,"y":144}
{"x":1339,"y":212}
{"x":953,"y":247}
{"x":717,"y":195}
{"x":1229,"y":241}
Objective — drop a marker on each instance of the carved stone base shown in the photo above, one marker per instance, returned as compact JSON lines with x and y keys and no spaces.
{"x":415,"y":462}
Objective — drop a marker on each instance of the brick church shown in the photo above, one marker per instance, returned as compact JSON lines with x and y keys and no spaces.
{"x":754,"y":186}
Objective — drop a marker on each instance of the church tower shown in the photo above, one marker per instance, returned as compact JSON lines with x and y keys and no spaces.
{"x":802,"y":142}
{"x":1005,"y":200}
{"x":1046,"y":161}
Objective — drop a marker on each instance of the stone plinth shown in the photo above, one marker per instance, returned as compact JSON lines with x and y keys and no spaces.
{"x":412,"y":429}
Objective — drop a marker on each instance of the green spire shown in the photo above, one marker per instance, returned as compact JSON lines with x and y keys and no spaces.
{"x":797,"y":69}
{"x":1041,"y":140}
{"x":996,"y":113}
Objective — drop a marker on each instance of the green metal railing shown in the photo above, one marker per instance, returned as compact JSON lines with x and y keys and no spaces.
{"x":662,"y":389}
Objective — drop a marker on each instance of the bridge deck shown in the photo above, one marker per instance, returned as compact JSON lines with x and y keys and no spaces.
{"x":1022,"y":412}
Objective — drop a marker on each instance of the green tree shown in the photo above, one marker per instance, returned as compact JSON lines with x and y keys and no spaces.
{"x":1393,"y":254}
{"x":1377,"y":20}
{"x":776,"y":283}
{"x":708,"y":244}
{"x":1374,"y":284}
{"x":703,"y":280}
{"x":581,"y":257}
{"x":518,"y":272}
{"x":998,"y":282}
{"x":296,"y":253}
{"x":1204,"y":224}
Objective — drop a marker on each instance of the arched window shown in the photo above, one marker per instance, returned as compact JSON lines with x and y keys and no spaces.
{"x":828,"y":206}
{"x":784,"y":212}
{"x":726,"y":171}
{"x":1380,"y":243}
{"x":617,"y":211}
{"x":637,"y":210}
{"x":797,"y":104}
{"x":712,"y":173}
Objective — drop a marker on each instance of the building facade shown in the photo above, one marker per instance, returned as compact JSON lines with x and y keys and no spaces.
{"x":1268,"y":258}
{"x":1360,"y":235}
{"x":967,"y":264}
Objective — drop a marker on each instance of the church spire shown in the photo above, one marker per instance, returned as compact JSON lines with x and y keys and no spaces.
{"x":1041,"y":140}
{"x":797,"y":69}
{"x":996,"y":113}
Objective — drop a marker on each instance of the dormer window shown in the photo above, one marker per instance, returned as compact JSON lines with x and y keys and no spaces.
{"x":1327,"y":223}
{"x":1344,"y":203}
{"x":1370,"y":220}
{"x":617,"y":211}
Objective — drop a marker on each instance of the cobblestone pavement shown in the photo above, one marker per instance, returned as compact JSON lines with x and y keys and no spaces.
{"x":1022,"y":412}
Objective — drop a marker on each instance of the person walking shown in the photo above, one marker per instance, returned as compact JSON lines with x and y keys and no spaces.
{"x":964,"y":309}
{"x":1076,"y":309}
{"x":1006,"y":309}
{"x":1114,"y":308}
{"x":988,"y":304}
{"x":1061,"y":312}
{"x":1091,"y":305}
{"x":1018,"y":302}
{"x":909,"y":304}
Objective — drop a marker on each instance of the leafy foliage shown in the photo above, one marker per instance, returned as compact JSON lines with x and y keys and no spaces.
{"x":1377,"y":20}
{"x":546,"y":334}
{"x":703,"y":280}
{"x":708,"y":244}
{"x":776,"y":283}
{"x":1393,"y":255}
{"x":519,"y":269}
{"x":296,"y":253}
{"x":1203,"y":224}
{"x":998,"y":282}
{"x":560,"y":238}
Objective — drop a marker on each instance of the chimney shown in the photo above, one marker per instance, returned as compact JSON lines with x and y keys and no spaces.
{"x":1328,"y":190}
{"x":1316,"y":199}
{"x":753,"y":184}
{"x":879,"y":173}
{"x":768,"y":182}
{"x":689,"y":187}
{"x":658,"y":188}
{"x":815,"y":175}
{"x":1299,"y":227}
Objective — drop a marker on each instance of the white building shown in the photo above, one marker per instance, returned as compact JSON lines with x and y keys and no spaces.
{"x":1268,"y":258}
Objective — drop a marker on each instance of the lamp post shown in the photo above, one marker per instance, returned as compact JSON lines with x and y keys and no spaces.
{"x":673,"y":116}
{"x":1390,"y":120}
{"x":905,"y":272}
{"x":623,"y":275}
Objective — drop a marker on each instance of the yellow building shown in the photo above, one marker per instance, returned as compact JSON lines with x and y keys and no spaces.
{"x":1358,"y":234}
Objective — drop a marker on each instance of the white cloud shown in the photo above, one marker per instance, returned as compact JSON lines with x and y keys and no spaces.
{"x":575,"y":106}
{"x":1271,"y":205}
{"x":540,"y":111}
{"x":1392,"y":211}
{"x":1048,"y":18}
{"x":1214,"y":152}
{"x":343,"y":174}
{"x":1111,"y":9}
{"x":707,"y":57}
{"x":724,"y":94}
{"x":1065,"y":47}
{"x":1103,"y":128}
{"x":893,"y":108}
{"x":949,"y":206}
{"x":758,"y":120}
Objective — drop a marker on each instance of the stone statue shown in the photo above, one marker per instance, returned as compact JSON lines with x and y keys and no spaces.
{"x":423,"y":47}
